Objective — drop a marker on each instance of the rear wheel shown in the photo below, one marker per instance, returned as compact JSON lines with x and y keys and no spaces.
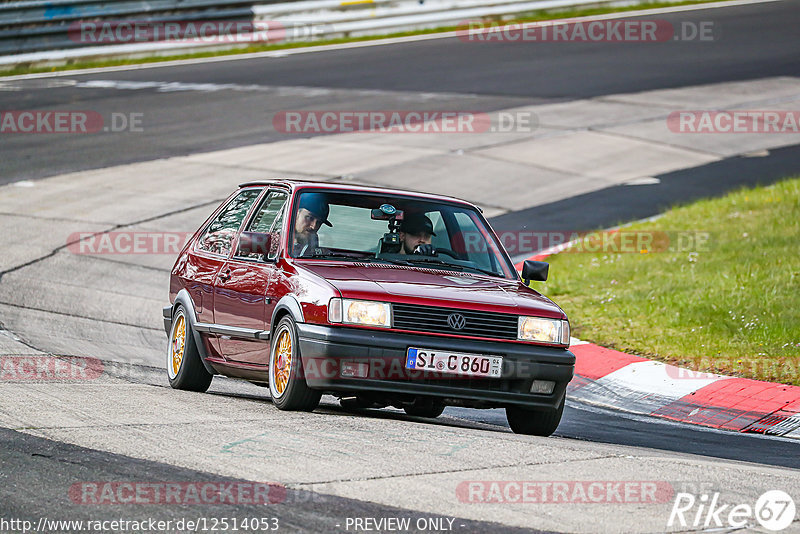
{"x":534,"y":423}
{"x":184,"y":368}
{"x":424,"y":408}
{"x":287,"y":386}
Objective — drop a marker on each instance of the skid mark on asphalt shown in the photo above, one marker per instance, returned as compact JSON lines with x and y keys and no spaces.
{"x":115,"y":227}
{"x":127,"y":264}
{"x":76,"y":316}
{"x":42,"y":218}
{"x":65,"y":246}
{"x":464,"y":470}
{"x":267,"y":443}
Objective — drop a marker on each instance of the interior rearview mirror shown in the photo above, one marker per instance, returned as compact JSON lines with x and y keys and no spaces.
{"x":385,"y":213}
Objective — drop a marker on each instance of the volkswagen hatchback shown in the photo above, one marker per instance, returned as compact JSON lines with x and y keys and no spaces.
{"x":376,"y":296}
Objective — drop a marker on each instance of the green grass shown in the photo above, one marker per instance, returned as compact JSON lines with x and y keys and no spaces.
{"x":731,"y":307}
{"x":527,"y":17}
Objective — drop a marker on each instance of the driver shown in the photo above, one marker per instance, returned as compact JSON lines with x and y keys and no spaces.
{"x":312,"y":213}
{"x":415,"y":235}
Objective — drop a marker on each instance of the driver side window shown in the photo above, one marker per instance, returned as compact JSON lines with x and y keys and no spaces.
{"x":269,"y":220}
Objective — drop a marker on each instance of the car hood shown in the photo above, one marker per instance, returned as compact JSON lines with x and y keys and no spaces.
{"x":436,"y":287}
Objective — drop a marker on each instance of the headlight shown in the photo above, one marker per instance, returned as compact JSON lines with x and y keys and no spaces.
{"x":544,"y":330}
{"x":363,"y":312}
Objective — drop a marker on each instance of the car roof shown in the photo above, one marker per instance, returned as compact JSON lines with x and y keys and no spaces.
{"x":296,"y":184}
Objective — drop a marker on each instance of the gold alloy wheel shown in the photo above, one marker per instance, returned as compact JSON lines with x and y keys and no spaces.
{"x":178,"y":343}
{"x":282,"y":362}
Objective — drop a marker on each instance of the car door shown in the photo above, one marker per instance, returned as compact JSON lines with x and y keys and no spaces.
{"x":210,"y":252}
{"x":242,"y":303}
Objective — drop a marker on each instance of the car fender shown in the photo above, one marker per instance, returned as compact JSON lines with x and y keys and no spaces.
{"x":287,"y":303}
{"x":184,"y":298}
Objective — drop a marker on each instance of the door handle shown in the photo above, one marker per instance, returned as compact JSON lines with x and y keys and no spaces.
{"x":225,"y":276}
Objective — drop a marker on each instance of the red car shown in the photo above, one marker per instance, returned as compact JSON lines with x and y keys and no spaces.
{"x":379,"y":297}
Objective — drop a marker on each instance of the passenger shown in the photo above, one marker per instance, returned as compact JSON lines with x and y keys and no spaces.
{"x":415,"y":235}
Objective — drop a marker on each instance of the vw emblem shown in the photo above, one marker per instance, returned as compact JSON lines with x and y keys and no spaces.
{"x":456,"y":321}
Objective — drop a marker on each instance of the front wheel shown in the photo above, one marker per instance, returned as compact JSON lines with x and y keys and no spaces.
{"x":534,"y":423}
{"x":184,"y":368}
{"x":287,"y":386}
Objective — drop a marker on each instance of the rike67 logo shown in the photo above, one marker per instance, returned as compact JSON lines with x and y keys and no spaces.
{"x":774,"y":510}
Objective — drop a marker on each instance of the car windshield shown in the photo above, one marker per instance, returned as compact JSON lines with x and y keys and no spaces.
{"x":332,"y":225}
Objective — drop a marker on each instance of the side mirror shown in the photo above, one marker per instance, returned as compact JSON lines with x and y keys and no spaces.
{"x":535,"y":270}
{"x":254,"y":243}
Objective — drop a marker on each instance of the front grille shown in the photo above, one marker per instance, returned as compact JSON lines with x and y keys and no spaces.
{"x":434,"y":320}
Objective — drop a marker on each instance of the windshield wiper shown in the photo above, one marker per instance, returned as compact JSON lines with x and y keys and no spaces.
{"x":388,"y":260}
{"x":484,"y":271}
{"x":413,"y":259}
{"x":453,"y":266}
{"x":333,"y":256}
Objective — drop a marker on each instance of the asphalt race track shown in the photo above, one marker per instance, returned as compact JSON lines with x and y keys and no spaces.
{"x":756,"y":41}
{"x":129,"y":426}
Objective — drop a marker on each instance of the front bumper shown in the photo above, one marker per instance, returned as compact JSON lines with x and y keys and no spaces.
{"x":328,"y":353}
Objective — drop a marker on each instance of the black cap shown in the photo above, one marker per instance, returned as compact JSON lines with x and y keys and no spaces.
{"x":416,"y":224}
{"x":316,"y":204}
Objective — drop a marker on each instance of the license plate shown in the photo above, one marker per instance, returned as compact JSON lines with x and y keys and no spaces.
{"x":456,"y":363}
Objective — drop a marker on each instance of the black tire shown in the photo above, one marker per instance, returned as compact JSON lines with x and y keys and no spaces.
{"x":185,"y":370}
{"x":534,"y":423}
{"x":430,"y":409}
{"x":289,"y":390}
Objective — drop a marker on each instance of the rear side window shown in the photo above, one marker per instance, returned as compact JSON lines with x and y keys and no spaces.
{"x":218,"y":237}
